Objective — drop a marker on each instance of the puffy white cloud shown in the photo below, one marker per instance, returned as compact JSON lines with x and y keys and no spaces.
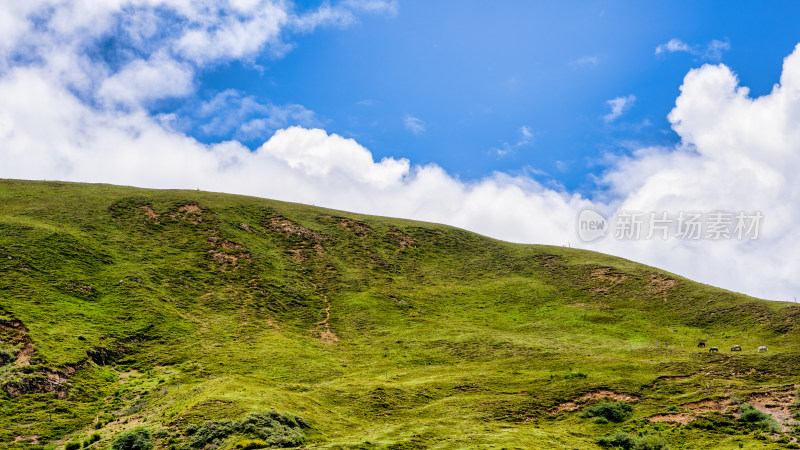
{"x":618,"y":106}
{"x":142,"y":81}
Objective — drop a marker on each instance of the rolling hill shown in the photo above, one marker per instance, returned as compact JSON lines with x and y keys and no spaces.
{"x":222,"y":321}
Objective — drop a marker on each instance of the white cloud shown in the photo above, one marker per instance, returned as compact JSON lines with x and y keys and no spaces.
{"x":414,"y":125}
{"x":141,"y":81}
{"x":525,"y":137}
{"x":736,"y":153}
{"x":710,"y":52}
{"x":674,"y":45}
{"x":586,"y":61}
{"x":618,"y":106}
{"x":230,"y":113}
{"x":342,"y":14}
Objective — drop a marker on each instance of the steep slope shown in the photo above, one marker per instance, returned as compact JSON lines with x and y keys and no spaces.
{"x":123,"y":307}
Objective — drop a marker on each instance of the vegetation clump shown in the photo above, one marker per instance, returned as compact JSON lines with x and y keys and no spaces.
{"x":135,"y":439}
{"x":276,"y":430}
{"x":628,"y":441}
{"x":757,"y":419}
{"x":610,"y":411}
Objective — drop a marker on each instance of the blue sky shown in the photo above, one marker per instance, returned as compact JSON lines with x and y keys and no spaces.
{"x":474,"y":75}
{"x":508,"y":118}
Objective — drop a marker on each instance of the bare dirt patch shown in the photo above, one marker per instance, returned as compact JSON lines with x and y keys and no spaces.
{"x":695,"y":409}
{"x":190,"y":208}
{"x":221,"y":252}
{"x":31,"y":440}
{"x":661,"y":284}
{"x":609,"y":275}
{"x":705,"y":406}
{"x":190,"y":212}
{"x":151,"y":214}
{"x":681,"y":418}
{"x":360,"y":229}
{"x":602,"y":394}
{"x":400,"y":238}
{"x":778,"y":404}
{"x":15,"y":333}
{"x":288,"y":228}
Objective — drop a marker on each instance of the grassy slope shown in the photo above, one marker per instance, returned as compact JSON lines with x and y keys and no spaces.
{"x":215,"y":306}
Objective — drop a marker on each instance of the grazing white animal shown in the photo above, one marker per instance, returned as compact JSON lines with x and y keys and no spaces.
{"x":736,"y":348}
{"x":763,"y":348}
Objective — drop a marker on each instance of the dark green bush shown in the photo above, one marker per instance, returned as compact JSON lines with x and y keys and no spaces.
{"x":628,"y":441}
{"x":574,"y":375}
{"x":91,"y":439}
{"x":72,"y":446}
{"x":756,"y":418}
{"x":250,"y":444}
{"x":7,"y":356}
{"x":135,"y":439}
{"x":277,"y":430}
{"x":211,"y":433}
{"x":611,"y":411}
{"x":620,"y":439}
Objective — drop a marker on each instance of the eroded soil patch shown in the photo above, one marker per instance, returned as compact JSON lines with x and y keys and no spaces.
{"x":602,"y":394}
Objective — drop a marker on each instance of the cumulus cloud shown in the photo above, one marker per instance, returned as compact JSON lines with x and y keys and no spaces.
{"x":65,"y":114}
{"x":618,"y":106}
{"x":414,"y":124}
{"x":711,"y":51}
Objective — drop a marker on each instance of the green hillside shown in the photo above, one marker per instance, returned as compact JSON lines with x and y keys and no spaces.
{"x":221,"y":321}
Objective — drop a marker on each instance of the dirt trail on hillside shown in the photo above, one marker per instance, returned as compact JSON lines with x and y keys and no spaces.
{"x":324,"y":327}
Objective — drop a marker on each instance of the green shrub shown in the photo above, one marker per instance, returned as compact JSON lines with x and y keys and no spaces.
{"x":628,"y":441}
{"x":277,"y":430}
{"x":91,"y":439}
{"x":191,"y":429}
{"x":611,"y":411}
{"x":135,"y":439}
{"x":650,"y":442}
{"x":7,"y":356}
{"x":756,"y":418}
{"x":72,"y":446}
{"x":249,"y":444}
{"x":212,"y":433}
{"x":575,"y":375}
{"x":620,"y":439}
